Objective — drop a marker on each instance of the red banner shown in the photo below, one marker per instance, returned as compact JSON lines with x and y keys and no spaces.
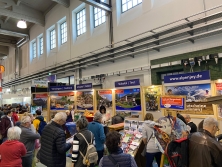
{"x":172,"y":101}
{"x":66,"y":94}
{"x":45,"y":95}
{"x":219,"y":86}
{"x":119,"y":91}
{"x":105,"y":92}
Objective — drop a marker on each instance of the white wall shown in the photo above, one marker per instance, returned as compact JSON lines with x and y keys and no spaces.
{"x":148,"y":15}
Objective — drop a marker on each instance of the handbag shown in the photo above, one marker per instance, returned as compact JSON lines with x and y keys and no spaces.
{"x":143,"y":153}
{"x":113,"y":161}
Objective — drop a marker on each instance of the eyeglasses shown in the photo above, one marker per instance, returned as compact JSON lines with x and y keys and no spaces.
{"x":218,"y":128}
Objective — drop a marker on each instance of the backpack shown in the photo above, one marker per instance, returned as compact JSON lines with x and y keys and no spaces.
{"x":91,"y":155}
{"x":42,"y":124}
{"x":177,"y":152}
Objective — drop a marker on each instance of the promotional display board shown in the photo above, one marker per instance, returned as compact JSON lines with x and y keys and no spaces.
{"x":218,"y":93}
{"x":61,"y":101}
{"x":85,"y":100}
{"x":152,"y":97}
{"x":104,"y":98}
{"x":172,"y":102}
{"x":195,"y":86}
{"x":39,"y":83}
{"x":40,"y":99}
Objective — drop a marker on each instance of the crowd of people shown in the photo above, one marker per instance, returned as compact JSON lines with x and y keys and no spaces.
{"x":24,"y":142}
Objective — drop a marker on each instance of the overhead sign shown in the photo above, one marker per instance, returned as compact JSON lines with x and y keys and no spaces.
{"x":188,"y":77}
{"x":39,"y":83}
{"x":173,"y":102}
{"x":61,"y":88}
{"x":132,"y":82}
{"x":84,"y":86}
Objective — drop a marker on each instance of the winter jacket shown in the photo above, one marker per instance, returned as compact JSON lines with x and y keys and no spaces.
{"x":28,"y":138}
{"x":15,"y":117}
{"x":204,"y":150}
{"x":5,"y":125}
{"x":11,"y":153}
{"x":53,"y":146}
{"x":125,"y":160}
{"x":97,"y":129}
{"x":148,"y":133}
{"x":79,"y":144}
{"x":36,"y":121}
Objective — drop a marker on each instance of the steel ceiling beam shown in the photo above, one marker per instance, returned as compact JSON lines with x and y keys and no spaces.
{"x":97,"y":5}
{"x":65,"y":3}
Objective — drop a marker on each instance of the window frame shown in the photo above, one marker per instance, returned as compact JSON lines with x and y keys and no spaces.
{"x":77,"y":23}
{"x":34,"y":50}
{"x":100,"y":17}
{"x":41,"y":47}
{"x":61,"y":34}
{"x":50,"y":41}
{"x":127,"y":5}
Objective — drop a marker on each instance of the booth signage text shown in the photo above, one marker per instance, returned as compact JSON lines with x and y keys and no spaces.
{"x":61,"y":88}
{"x":84,"y":86}
{"x":177,"y":103}
{"x":188,"y":77}
{"x":132,"y":82}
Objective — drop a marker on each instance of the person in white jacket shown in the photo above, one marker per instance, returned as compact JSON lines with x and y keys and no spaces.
{"x":149,"y":140}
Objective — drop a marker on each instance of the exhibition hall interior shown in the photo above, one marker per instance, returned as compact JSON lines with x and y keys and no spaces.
{"x":102,"y":83}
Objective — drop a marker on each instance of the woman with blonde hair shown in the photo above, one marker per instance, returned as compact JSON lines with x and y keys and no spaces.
{"x":149,"y":141}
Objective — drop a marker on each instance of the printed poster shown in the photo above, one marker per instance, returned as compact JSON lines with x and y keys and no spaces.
{"x":196,"y":95}
{"x":61,"y":101}
{"x":218,"y":93}
{"x":152,"y":98}
{"x":85,"y":100}
{"x":40,"y":100}
{"x":104,"y":98}
{"x":128,"y":99}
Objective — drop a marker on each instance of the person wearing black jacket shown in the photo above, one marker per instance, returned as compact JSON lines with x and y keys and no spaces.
{"x":53,"y":143}
{"x":191,"y":124}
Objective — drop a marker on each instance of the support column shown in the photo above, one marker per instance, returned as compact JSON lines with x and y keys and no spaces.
{"x":17,"y":62}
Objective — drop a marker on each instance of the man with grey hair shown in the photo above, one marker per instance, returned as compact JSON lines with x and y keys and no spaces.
{"x":53,"y":143}
{"x":28,"y":138}
{"x":193,"y":127}
{"x":97,"y":129}
{"x":204,"y":149}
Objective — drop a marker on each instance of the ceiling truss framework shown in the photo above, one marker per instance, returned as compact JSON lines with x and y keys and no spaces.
{"x":153,"y":40}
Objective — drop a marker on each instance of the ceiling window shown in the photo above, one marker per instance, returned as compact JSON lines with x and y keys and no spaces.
{"x":41,"y":45}
{"x":128,"y":4}
{"x":52,"y":39}
{"x":34,"y":50}
{"x":81,"y":22}
{"x":99,"y":16}
{"x":63,"y":29}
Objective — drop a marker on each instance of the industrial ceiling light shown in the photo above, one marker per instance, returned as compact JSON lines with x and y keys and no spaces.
{"x":22,"y":24}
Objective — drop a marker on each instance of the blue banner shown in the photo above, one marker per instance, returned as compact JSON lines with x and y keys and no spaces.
{"x":188,"y":77}
{"x":132,"y":82}
{"x":61,"y":88}
{"x":84,"y":86}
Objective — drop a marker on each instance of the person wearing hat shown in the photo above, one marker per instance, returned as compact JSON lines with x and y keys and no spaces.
{"x":98,"y":131}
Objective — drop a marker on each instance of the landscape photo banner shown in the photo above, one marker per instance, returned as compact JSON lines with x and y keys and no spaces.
{"x":61,"y":101}
{"x":196,"y":102}
{"x":132,"y":82}
{"x":152,"y":98}
{"x":104,"y":98}
{"x":85,"y":100}
{"x":128,"y":99}
{"x":40,"y":100}
{"x":187,"y":77}
{"x":172,"y":102}
{"x":219,"y":93}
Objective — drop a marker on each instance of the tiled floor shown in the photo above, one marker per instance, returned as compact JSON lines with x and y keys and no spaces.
{"x":68,"y":163}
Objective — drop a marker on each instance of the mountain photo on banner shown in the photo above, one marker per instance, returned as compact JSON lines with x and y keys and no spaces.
{"x":219,"y":93}
{"x":196,"y":102}
{"x":152,"y":98}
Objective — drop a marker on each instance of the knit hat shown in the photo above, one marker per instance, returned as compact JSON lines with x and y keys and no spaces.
{"x":97,"y":116}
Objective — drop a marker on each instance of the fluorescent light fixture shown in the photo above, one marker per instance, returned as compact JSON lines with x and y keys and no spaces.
{"x":22,"y":24}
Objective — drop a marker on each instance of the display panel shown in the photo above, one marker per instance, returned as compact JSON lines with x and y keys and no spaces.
{"x":61,"y":101}
{"x":85,"y":100}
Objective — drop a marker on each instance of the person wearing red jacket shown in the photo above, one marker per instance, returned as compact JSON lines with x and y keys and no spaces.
{"x":12,"y":150}
{"x":15,"y":117}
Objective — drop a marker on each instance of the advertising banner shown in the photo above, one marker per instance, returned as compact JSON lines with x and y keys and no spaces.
{"x":128,"y":99}
{"x":84,"y":86}
{"x":132,"y":82}
{"x":152,"y":98}
{"x":61,"y":101}
{"x":188,"y":77}
{"x":61,"y":88}
{"x":51,"y":78}
{"x":85,"y":100}
{"x":40,"y":100}
{"x":195,"y":97}
{"x":218,"y":93}
{"x":39,"y":83}
{"x":173,"y":102}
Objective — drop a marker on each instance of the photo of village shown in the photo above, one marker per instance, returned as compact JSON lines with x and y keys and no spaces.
{"x":61,"y":102}
{"x":152,"y":97}
{"x":128,"y":99}
{"x":85,"y":100}
{"x":104,"y":98}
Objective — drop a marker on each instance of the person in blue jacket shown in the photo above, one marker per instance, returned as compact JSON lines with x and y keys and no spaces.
{"x":97,"y":129}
